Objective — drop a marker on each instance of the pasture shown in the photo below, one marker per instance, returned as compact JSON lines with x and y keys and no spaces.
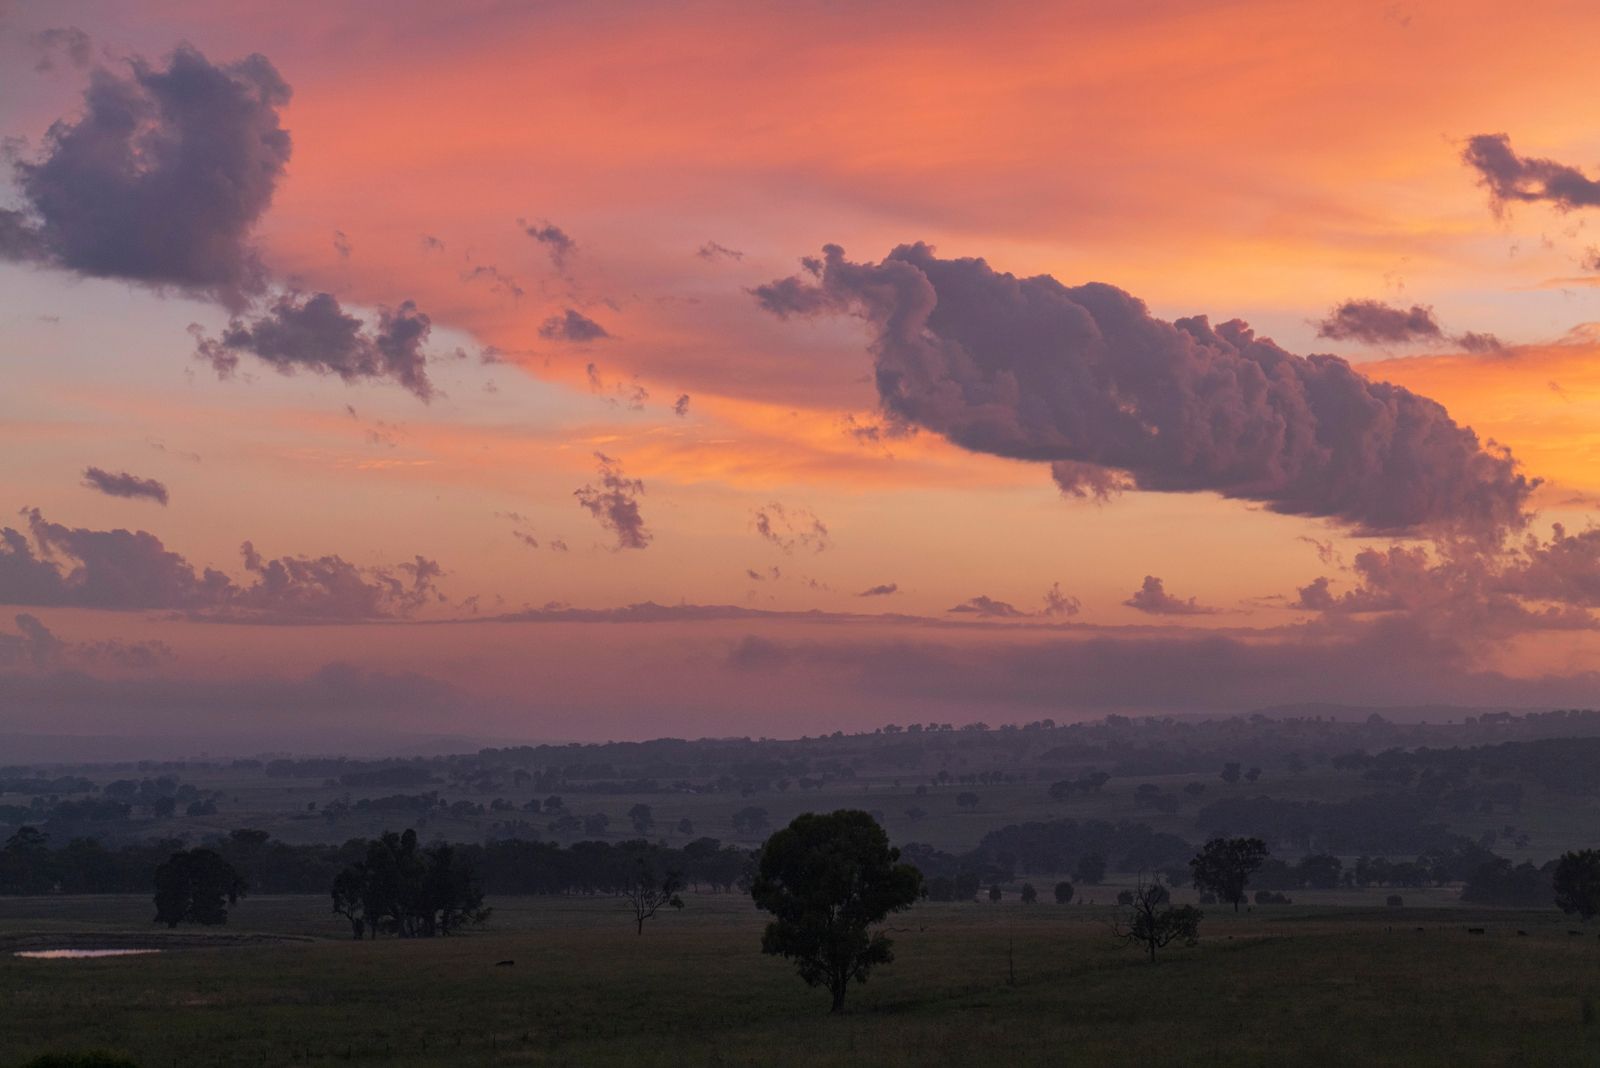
{"x":1007,"y":984}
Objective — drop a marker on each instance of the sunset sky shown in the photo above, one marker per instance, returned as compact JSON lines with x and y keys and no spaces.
{"x":575,"y":371}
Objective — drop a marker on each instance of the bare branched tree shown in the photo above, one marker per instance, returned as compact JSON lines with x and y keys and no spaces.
{"x":646,"y":894}
{"x":1152,"y":921}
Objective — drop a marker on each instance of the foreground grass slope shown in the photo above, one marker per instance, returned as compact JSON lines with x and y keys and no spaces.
{"x":1007,"y":984}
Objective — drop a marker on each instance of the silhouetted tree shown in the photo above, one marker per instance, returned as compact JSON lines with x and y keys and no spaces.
{"x":646,"y":894}
{"x":1230,"y":772}
{"x":595,"y":823}
{"x":966,"y":885}
{"x":1224,"y":867}
{"x":1153,"y":922}
{"x":994,"y":892}
{"x":1064,"y":892}
{"x":1029,"y":894}
{"x":686,"y":826}
{"x":25,"y":862}
{"x":1577,"y":883}
{"x":967,"y":800}
{"x":827,"y":879}
{"x":642,"y":818}
{"x":196,"y":886}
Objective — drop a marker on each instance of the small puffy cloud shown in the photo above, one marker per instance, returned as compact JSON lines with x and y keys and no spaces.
{"x":1152,"y":597}
{"x":1374,"y":322}
{"x":1511,"y":178}
{"x":341,"y":244}
{"x":555,"y":240}
{"x":884,"y":590}
{"x":160,"y":180}
{"x":122,"y":484}
{"x":1059,"y":604}
{"x":572,"y":325}
{"x":791,"y":528}
{"x":614,"y":503}
{"x":680,"y":407}
{"x":988,"y":608}
{"x":314,"y":333}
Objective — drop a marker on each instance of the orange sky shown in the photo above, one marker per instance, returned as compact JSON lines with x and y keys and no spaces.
{"x":1263,"y":161}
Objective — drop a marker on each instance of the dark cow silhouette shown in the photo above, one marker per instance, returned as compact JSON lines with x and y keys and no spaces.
{"x":504,"y":963}
{"x":1475,"y":930}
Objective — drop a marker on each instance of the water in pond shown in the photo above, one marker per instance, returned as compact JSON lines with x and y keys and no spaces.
{"x":74,"y":954}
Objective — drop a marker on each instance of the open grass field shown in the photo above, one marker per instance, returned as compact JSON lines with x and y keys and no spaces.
{"x":1004,"y":984}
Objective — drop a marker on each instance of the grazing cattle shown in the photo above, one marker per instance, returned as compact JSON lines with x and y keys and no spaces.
{"x":1421,"y":929}
{"x":1523,"y":933}
{"x":504,"y":963}
{"x":1475,"y":930}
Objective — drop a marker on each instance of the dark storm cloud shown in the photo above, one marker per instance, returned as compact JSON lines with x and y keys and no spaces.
{"x":1152,"y":597}
{"x":122,"y":484}
{"x":615,"y":504}
{"x":573,"y":326}
{"x":1527,"y":179}
{"x":314,"y":333}
{"x":1030,"y":369}
{"x":56,"y":565}
{"x":555,"y":240}
{"x":1374,"y":322}
{"x":161,"y":179}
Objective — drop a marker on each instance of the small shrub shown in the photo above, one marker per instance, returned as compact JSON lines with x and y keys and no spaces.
{"x":1394,"y":901}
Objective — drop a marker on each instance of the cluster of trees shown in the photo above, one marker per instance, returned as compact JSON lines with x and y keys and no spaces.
{"x":31,"y":863}
{"x":405,"y":889}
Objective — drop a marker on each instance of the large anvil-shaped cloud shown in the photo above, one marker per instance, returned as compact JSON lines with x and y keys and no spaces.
{"x":1031,"y":369}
